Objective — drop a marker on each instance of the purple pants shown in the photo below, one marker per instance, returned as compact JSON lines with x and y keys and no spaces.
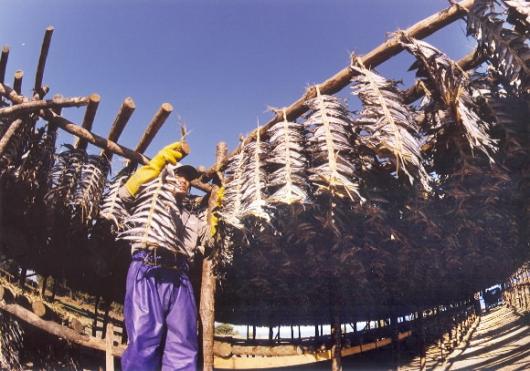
{"x":160,"y":318}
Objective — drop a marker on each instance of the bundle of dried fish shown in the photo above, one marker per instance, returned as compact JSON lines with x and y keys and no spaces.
{"x":63,"y":177}
{"x":330,"y":133}
{"x":90,"y":188}
{"x":507,"y":49}
{"x":154,"y":220}
{"x":449,"y":91}
{"x":287,"y":180}
{"x":253,"y":199}
{"x":17,"y":139}
{"x":388,"y":123}
{"x":112,"y":206}
{"x":232,"y":201}
{"x":519,"y":15}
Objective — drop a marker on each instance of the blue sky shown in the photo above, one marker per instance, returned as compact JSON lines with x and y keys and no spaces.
{"x":219,"y":63}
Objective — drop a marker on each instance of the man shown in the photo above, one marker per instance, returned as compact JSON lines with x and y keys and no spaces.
{"x":159,"y":308}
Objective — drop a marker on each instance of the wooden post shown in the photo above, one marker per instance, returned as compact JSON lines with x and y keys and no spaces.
{"x":54,"y":289}
{"x":88,"y":119}
{"x":395,"y":342}
{"x":336,"y":335}
{"x":95,"y":321}
{"x":109,"y":339}
{"x":17,"y":81}
{"x":10,"y":133}
{"x":105,"y":320}
{"x":154,"y":126}
{"x":3,"y":63}
{"x":208,"y":282}
{"x":42,"y":58}
{"x":124,"y":114}
{"x":421,"y":342}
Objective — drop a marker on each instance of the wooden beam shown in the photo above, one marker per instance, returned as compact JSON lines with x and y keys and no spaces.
{"x":58,"y":330}
{"x":37,"y":105}
{"x":124,"y":114}
{"x":209,"y":280}
{"x":10,"y":133}
{"x":17,"y":81}
{"x":154,"y":126}
{"x":11,"y":94}
{"x":42,"y":58}
{"x":88,"y":119}
{"x":341,"y":79}
{"x":3,"y":62}
{"x":92,"y":138}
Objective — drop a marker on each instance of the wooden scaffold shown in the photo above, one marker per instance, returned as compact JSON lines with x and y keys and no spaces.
{"x":334,"y":219}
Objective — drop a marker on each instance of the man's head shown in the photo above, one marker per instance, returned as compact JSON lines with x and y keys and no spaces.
{"x":182,"y":177}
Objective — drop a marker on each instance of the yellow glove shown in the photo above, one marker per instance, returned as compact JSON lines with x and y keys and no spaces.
{"x":214,"y":220}
{"x":169,"y":154}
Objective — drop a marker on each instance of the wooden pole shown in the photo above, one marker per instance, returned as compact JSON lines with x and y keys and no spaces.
{"x":341,"y":79}
{"x":10,"y":133}
{"x":95,"y":321}
{"x":94,"y":139}
{"x":124,"y":114}
{"x":208,"y":282}
{"x":88,"y":120}
{"x":109,"y":339}
{"x":42,"y":58}
{"x":90,"y":137}
{"x":3,"y":62}
{"x":154,"y":126}
{"x":39,"y":308}
{"x":37,"y":105}
{"x":58,"y":330}
{"x":17,"y":81}
{"x":336,"y":335}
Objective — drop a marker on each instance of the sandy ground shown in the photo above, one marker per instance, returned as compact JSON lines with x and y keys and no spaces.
{"x":500,"y":342}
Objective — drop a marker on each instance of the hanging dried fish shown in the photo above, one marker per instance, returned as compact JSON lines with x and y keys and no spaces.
{"x":288,"y":179}
{"x":232,"y":200}
{"x":448,"y":85}
{"x":389,"y":124}
{"x":519,"y":15}
{"x":63,"y":177}
{"x":329,"y":130}
{"x":112,"y":206}
{"x":507,"y":49}
{"x":154,"y":220}
{"x":254,"y":180}
{"x":90,"y":188}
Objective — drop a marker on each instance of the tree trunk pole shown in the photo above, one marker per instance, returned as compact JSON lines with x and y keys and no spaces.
{"x":3,"y":63}
{"x":208,"y":282}
{"x":395,"y":342}
{"x":336,"y":335}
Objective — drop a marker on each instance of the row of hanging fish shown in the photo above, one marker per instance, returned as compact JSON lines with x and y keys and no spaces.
{"x":297,"y":163}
